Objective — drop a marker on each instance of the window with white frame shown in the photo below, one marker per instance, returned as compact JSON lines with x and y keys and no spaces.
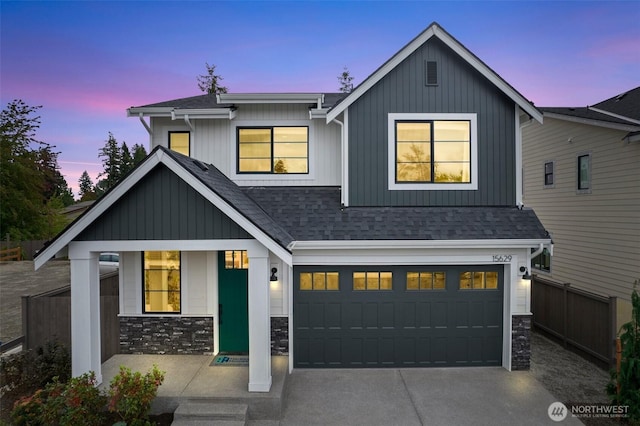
{"x":275,"y":150}
{"x":161,"y":281}
{"x":432,"y":151}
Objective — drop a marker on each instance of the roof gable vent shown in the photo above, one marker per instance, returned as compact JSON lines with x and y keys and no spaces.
{"x":431,"y":73}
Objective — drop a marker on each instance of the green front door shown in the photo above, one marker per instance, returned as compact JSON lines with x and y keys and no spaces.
{"x":233,"y":311}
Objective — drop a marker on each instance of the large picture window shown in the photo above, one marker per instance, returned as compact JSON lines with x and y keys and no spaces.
{"x":179,"y":142}
{"x":276,"y":150}
{"x":432,"y":151}
{"x":162,"y":281}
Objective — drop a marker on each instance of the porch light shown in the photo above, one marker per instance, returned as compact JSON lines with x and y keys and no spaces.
{"x":274,"y":277}
{"x":525,"y":275}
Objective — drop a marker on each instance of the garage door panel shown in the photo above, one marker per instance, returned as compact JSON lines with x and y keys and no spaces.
{"x":355,"y":315}
{"x":401,"y":327}
{"x":333,"y":315}
{"x":439,"y":314}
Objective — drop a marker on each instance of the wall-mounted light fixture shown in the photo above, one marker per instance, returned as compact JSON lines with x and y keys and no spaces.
{"x":274,"y":277}
{"x":525,"y":275}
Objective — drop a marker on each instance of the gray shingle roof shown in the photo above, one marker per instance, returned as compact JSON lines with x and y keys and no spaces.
{"x":626,"y":104}
{"x":210,"y":101}
{"x":232,"y":194}
{"x":587,"y":114}
{"x":314,"y":213}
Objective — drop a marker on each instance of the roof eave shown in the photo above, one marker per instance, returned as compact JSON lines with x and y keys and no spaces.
{"x":149,"y":111}
{"x":416,"y":244}
{"x":592,"y":122}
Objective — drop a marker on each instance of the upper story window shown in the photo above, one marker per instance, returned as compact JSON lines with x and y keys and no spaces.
{"x":584,"y":173}
{"x":161,"y":281}
{"x":275,"y":150}
{"x":433,"y":151}
{"x":549,"y":171}
{"x":179,"y":142}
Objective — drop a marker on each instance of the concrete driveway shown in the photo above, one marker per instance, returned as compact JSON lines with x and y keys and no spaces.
{"x":434,"y":396}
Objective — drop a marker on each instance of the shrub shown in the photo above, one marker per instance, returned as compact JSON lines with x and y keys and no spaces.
{"x":78,"y":401}
{"x":624,"y":388}
{"x":131,"y":394}
{"x":22,"y":374}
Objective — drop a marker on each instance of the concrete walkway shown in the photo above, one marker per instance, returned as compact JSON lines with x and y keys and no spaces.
{"x":421,"y":396}
{"x":434,"y":396}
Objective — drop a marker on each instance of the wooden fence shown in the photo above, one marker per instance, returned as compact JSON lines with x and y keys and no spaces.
{"x":47,"y":316}
{"x":580,"y":319}
{"x":29,"y":248}
{"x":11,"y":254}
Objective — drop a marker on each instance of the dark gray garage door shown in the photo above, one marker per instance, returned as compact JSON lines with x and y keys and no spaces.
{"x":409,"y":316}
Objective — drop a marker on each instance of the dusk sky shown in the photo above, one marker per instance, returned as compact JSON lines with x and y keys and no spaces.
{"x":86,"y":62}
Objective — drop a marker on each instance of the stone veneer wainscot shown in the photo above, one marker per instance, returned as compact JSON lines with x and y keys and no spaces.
{"x":521,"y":342}
{"x":172,"y":335}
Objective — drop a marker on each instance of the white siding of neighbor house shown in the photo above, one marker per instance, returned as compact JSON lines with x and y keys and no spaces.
{"x":596,"y":234}
{"x":214,"y":142}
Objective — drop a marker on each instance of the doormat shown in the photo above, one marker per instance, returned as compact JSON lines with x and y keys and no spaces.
{"x":230,"y":360}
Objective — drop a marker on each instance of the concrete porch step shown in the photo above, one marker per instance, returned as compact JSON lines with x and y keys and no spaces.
{"x":195,"y":413}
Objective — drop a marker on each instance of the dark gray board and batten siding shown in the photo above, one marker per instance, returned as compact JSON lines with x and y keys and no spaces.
{"x":162,"y":207}
{"x":460,"y":89}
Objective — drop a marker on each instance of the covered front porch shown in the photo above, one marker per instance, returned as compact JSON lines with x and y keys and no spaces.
{"x":190,"y":378}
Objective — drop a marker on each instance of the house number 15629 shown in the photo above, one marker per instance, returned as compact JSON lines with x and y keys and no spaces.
{"x":502,"y":258}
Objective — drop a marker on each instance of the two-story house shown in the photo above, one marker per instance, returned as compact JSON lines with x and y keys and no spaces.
{"x":582,"y":176}
{"x":383,"y":227}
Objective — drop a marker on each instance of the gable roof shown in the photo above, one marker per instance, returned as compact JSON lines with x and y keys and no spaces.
{"x":315,"y":214}
{"x":212,"y":184}
{"x":435,"y":30}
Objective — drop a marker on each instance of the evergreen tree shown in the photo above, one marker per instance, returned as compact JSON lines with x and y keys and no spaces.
{"x":28,"y":179}
{"x":111,"y":161}
{"x":210,"y":82}
{"x":345,"y":79}
{"x":126,"y":160}
{"x":86,"y":190}
{"x":139,"y":153}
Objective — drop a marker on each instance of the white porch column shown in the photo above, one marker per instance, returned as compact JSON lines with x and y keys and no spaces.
{"x":85,"y":313}
{"x":259,"y":321}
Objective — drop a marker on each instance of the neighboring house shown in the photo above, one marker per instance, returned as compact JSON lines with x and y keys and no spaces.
{"x":582,"y":177}
{"x":380,"y":228}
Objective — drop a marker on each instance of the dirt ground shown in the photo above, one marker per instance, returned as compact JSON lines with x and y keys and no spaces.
{"x":569,"y":377}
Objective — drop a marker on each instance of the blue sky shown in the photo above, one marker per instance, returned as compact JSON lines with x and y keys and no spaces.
{"x":85,"y":62}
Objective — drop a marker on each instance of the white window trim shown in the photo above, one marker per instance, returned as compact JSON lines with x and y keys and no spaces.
{"x":274,"y":177}
{"x":391,"y":142}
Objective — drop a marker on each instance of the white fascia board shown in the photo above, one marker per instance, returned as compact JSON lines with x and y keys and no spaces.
{"x":415,"y":244}
{"x":270,"y":98}
{"x":101,"y":206}
{"x":435,"y":30}
{"x":318,"y":113}
{"x":611,"y":114}
{"x":203,"y":113}
{"x":149,"y":111}
{"x":591,"y":122}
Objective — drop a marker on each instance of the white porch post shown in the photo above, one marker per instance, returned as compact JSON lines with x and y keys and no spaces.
{"x":259,"y":321}
{"x":85,"y":313}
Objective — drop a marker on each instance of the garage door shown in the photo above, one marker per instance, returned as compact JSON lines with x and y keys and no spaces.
{"x":409,"y":316}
